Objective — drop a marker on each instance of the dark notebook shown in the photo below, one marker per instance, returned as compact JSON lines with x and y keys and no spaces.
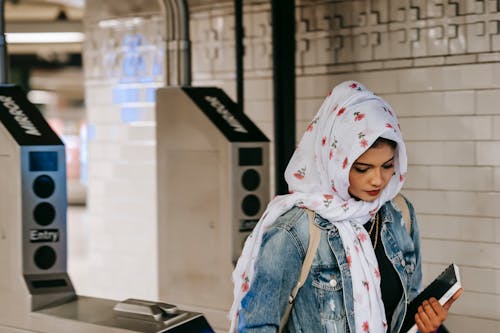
{"x":442,"y":288}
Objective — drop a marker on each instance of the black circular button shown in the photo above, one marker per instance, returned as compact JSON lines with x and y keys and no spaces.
{"x":250,"y":179}
{"x":44,"y":213}
{"x":250,"y":205}
{"x":45,"y":257}
{"x":44,"y":186}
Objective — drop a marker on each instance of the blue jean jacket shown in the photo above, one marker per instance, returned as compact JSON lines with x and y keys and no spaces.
{"x":325,"y":302}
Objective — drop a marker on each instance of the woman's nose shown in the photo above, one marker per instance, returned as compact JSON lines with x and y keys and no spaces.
{"x":376,"y":179}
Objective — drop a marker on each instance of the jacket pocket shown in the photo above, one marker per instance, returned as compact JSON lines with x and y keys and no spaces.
{"x":327,"y":283}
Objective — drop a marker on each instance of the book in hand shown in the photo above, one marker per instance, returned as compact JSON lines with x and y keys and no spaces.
{"x":442,"y":288}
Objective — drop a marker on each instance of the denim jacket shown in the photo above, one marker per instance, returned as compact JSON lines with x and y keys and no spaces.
{"x":325,"y":301}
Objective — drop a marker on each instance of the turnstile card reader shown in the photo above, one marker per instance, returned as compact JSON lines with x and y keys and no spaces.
{"x":213,"y":186}
{"x":33,"y":226}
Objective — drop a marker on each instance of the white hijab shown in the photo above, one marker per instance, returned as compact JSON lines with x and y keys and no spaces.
{"x":349,"y":121}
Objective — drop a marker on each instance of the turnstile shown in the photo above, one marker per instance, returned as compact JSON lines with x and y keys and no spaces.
{"x":36,"y":293}
{"x":212,"y":188}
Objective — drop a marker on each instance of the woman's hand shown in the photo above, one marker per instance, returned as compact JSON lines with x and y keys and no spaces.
{"x":431,"y":314}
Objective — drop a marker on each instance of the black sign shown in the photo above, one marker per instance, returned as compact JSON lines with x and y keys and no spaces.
{"x":222,"y":112}
{"x":44,"y":235}
{"x":23,"y":120}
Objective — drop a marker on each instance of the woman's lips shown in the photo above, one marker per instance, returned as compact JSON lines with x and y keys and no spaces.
{"x":373,"y":193}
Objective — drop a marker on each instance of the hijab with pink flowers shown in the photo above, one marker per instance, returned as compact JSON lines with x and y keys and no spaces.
{"x":348,"y":122}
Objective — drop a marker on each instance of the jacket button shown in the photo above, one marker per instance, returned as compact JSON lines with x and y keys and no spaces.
{"x":333,"y":282}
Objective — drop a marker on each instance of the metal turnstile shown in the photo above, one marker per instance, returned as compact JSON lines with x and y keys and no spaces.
{"x":213,"y":186}
{"x":36,"y":293}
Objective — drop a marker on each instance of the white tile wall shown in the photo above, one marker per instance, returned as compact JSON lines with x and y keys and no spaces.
{"x":447,"y":104}
{"x":456,"y":227}
{"x":460,"y":178}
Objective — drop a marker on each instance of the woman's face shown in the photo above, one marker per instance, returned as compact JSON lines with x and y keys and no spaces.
{"x":371,"y":172}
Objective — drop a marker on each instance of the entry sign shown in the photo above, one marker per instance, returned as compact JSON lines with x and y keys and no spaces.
{"x":44,"y":235}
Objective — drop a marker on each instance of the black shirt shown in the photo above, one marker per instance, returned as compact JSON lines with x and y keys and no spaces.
{"x":390,"y":284}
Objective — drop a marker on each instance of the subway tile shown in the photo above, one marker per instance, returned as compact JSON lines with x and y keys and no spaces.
{"x":450,"y":78}
{"x":315,"y":70}
{"x":110,"y":133}
{"x":476,"y":38}
{"x":459,"y":228}
{"x":388,"y":64}
{"x":460,"y":59}
{"x":260,"y":110}
{"x":497,"y":230}
{"x":487,"y":153}
{"x":307,"y":108}
{"x":459,"y":102}
{"x":394,"y":45}
{"x":369,"y":66}
{"x":416,"y":104}
{"x":257,"y":90}
{"x":479,"y":305}
{"x":130,"y":171}
{"x":487,"y":101}
{"x":462,"y":253}
{"x":488,"y":57}
{"x":496,"y":128}
{"x":496,"y":177}
{"x":451,"y":178}
{"x":428,"y":61}
{"x":142,"y":210}
{"x":301,"y":128}
{"x":461,"y":178}
{"x":98,"y":94}
{"x":103,"y":114}
{"x":140,"y":132}
{"x":314,"y":86}
{"x":477,"y":76}
{"x":481,"y":204}
{"x":415,"y":79}
{"x":102,"y":151}
{"x":482,"y":280}
{"x":267,"y":128}
{"x":341,"y":68}
{"x":432,"y":103}
{"x":448,"y":128}
{"x":138,"y":152}
{"x":467,"y":323}
{"x":417,"y":177}
{"x":441,"y":153}
{"x":380,"y":82}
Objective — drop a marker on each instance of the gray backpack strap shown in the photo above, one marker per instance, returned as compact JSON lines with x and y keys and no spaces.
{"x":314,"y":237}
{"x":402,"y":205}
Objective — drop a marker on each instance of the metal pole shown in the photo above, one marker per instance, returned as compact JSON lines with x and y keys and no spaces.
{"x":239,"y":50}
{"x":178,"y":44}
{"x":4,"y":59}
{"x":283,"y":22}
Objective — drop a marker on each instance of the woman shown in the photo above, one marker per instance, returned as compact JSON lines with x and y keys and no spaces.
{"x":348,"y":166}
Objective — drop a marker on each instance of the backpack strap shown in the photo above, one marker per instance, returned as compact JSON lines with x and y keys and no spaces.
{"x":314,"y":238}
{"x":401,"y":203}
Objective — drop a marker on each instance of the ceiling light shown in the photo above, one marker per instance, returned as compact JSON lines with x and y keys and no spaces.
{"x":44,"y":37}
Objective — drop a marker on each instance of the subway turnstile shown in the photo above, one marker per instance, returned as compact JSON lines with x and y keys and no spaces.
{"x":213,"y":186}
{"x":36,"y":293}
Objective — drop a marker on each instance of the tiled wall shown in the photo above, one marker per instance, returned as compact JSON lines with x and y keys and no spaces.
{"x":123,"y":60}
{"x":435,"y":62}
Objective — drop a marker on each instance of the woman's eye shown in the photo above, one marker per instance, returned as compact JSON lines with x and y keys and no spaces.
{"x":388,"y":166}
{"x":360,"y":170}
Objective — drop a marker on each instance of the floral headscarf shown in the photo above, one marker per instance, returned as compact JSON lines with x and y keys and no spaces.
{"x":348,"y":122}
